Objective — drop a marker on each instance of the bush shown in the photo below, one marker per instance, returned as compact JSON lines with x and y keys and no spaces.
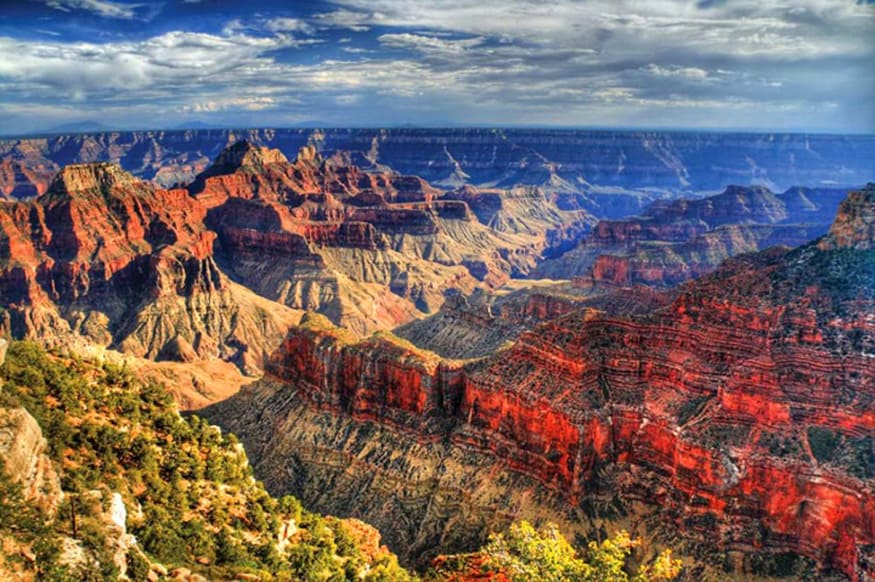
{"x":525,"y":553}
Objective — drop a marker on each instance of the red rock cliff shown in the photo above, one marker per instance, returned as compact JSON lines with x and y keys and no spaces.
{"x":742,"y":409}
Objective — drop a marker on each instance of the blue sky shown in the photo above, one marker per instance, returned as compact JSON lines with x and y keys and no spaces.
{"x":804,"y":65}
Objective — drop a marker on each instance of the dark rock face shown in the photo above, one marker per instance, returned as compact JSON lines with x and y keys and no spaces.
{"x":740,"y":414}
{"x":576,"y":162}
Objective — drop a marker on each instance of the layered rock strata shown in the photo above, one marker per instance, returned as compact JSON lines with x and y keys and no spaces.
{"x":735,"y":422}
{"x":674,"y":241}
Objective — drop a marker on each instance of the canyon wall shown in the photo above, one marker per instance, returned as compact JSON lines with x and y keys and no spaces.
{"x":221,"y":268}
{"x":735,"y":422}
{"x":676,"y":240}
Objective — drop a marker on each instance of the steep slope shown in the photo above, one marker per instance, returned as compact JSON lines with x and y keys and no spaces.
{"x":148,"y":494}
{"x":106,"y":258}
{"x":736,"y":421}
{"x":476,"y":325}
{"x":682,"y":239}
{"x":530,"y":211}
{"x":369,"y":250}
{"x":854,"y":227}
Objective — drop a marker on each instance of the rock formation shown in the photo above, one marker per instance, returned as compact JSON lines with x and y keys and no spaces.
{"x":854,"y":227}
{"x":221,"y":269}
{"x":369,"y":250}
{"x":673,"y":241}
{"x":107,"y":258}
{"x":612,"y":173}
{"x":735,"y":421}
{"x":23,"y":454}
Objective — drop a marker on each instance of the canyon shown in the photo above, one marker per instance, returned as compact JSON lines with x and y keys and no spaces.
{"x":673,"y":241}
{"x":220,"y":270}
{"x":735,"y":421}
{"x":588,"y":328}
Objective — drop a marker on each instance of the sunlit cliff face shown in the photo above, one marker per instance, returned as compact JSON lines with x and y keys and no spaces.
{"x":741,"y":406}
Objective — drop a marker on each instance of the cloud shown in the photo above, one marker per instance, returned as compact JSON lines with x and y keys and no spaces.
{"x":428,"y":44}
{"x":104,"y":8}
{"x":174,"y":60}
{"x":268,"y":25}
{"x":288,"y":25}
{"x":693,"y":73}
{"x":242,"y":103}
{"x":677,"y":62}
{"x":744,"y":27}
{"x":348,"y":19}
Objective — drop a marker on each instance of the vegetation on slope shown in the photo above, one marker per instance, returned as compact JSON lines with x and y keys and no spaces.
{"x":192,"y":501}
{"x":525,"y":553}
{"x":189,"y":491}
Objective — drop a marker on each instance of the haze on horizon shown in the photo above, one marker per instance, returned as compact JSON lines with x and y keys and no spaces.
{"x":804,"y":65}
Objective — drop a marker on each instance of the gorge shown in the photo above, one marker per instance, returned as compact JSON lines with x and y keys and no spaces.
{"x":441,"y":350}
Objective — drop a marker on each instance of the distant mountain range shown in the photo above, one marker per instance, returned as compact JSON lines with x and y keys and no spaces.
{"x":653,"y":164}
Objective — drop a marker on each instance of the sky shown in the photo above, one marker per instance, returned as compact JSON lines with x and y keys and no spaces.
{"x":771,"y":65}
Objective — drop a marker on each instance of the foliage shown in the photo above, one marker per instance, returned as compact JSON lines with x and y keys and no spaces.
{"x":191,"y":497}
{"x":854,"y":454}
{"x":526,"y":553}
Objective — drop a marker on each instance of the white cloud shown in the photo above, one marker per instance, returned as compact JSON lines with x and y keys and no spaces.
{"x":428,"y":44}
{"x":182,"y":58}
{"x":104,"y":8}
{"x":348,"y":19}
{"x":255,"y":103}
{"x":288,"y":25}
{"x":743,"y":27}
{"x":692,"y":73}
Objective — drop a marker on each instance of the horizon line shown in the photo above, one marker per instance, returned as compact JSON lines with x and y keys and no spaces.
{"x":427,"y":127}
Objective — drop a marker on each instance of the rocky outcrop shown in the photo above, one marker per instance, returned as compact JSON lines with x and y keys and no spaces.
{"x":24,"y":456}
{"x":323,"y":235}
{"x":854,"y":227}
{"x":614,"y":169}
{"x":674,"y":241}
{"x":529,"y":211}
{"x":315,"y":187}
{"x":105,"y":258}
{"x":23,"y":450}
{"x":477,"y":325}
{"x":735,"y":421}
